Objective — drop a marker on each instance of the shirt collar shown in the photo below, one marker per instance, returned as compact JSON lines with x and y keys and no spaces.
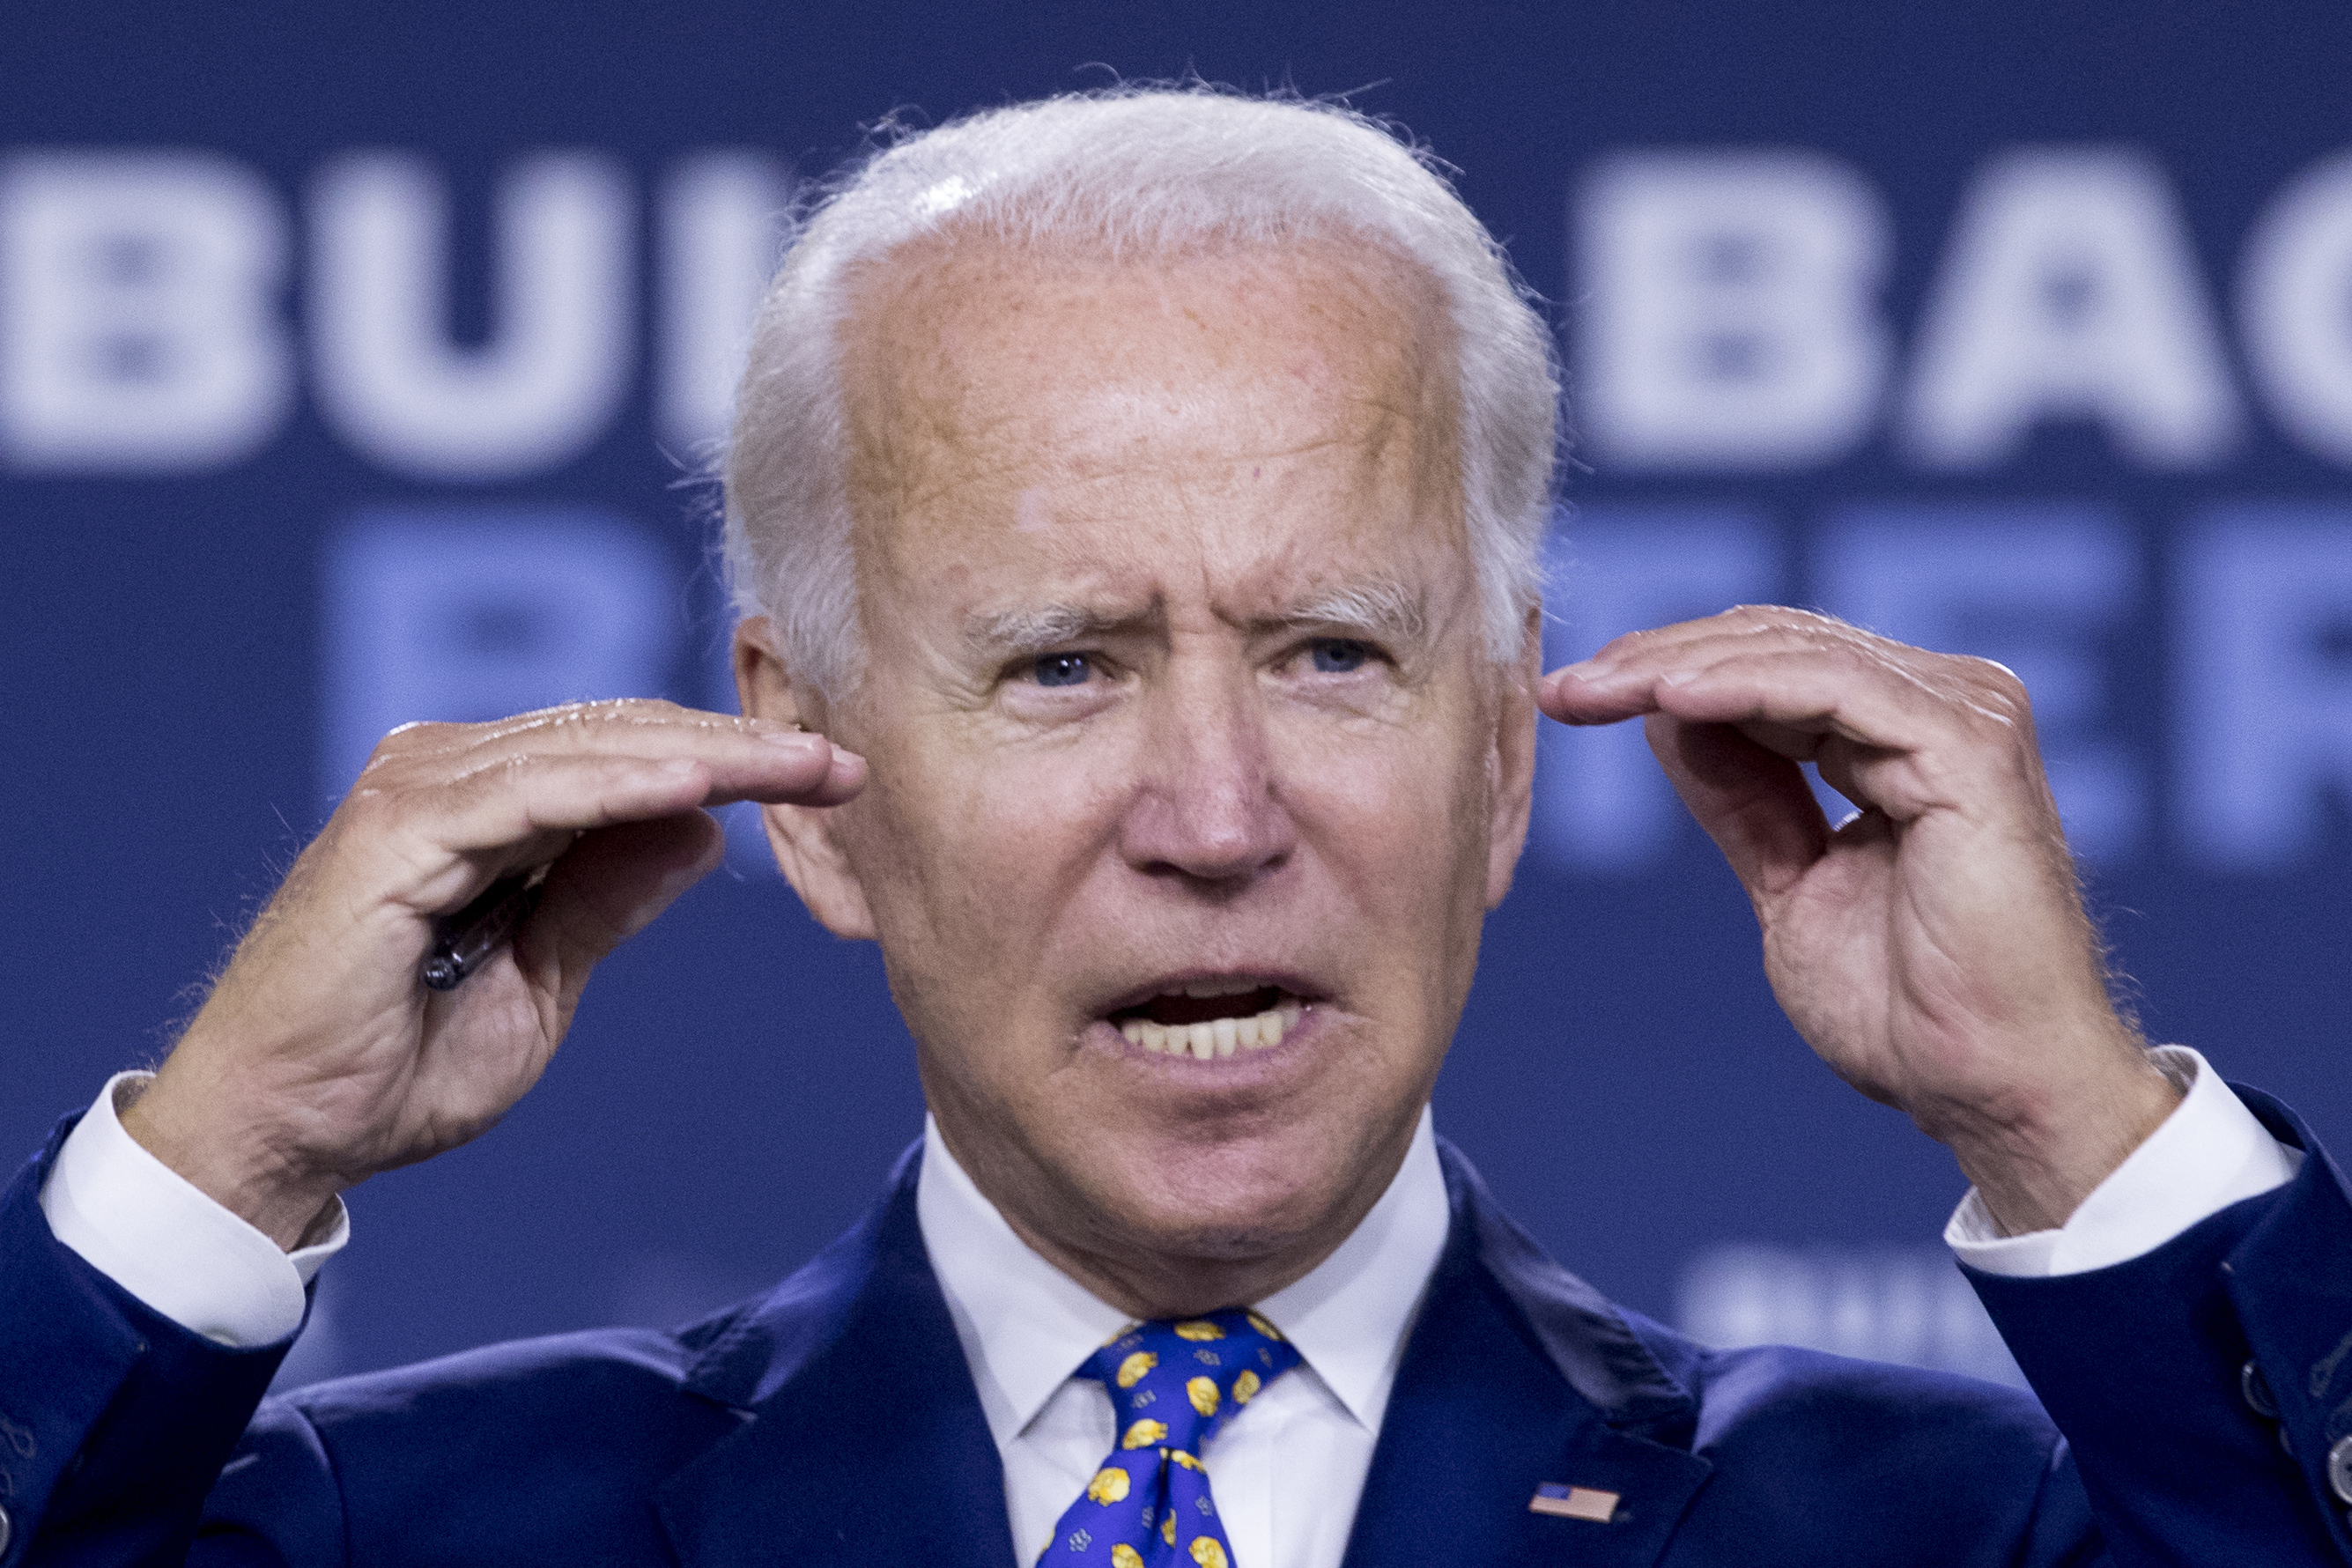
{"x":1026,"y":1326}
{"x":1349,"y":1316}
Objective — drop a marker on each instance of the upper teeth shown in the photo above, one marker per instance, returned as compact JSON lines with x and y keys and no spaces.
{"x":1231,"y":985}
{"x":1219,"y":1037}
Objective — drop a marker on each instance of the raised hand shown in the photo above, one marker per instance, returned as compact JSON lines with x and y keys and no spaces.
{"x":321,"y":1058}
{"x":1933,"y":949}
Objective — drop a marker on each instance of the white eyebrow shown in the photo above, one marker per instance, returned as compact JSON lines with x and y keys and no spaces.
{"x":1383,"y":610}
{"x":1037,"y":629}
{"x":1377,"y":609}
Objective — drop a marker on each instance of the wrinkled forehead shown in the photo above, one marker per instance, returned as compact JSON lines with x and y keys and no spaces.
{"x":978,"y":372}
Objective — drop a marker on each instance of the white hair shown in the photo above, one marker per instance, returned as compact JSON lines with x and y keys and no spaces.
{"x":1131,"y":170}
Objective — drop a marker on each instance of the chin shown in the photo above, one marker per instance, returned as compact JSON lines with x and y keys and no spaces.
{"x":1232,"y":1199}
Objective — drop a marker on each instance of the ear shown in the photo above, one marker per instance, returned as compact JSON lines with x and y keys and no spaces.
{"x":806,"y":839}
{"x":1513,"y":764}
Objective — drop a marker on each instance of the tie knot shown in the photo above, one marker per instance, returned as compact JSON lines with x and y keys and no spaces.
{"x":1175,"y":1382}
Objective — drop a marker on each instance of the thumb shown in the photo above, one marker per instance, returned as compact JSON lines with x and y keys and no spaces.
{"x":608,"y":887}
{"x":1752,"y":801}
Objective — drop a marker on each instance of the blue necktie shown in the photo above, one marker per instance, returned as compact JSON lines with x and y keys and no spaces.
{"x":1173,"y":1385}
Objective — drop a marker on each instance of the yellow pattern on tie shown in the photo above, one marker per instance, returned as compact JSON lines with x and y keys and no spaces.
{"x":1172,"y":1386}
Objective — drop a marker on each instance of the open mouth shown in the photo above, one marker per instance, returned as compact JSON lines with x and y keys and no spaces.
{"x":1212,"y":1018}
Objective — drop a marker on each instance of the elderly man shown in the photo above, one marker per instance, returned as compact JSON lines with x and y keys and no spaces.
{"x":1135,"y":503}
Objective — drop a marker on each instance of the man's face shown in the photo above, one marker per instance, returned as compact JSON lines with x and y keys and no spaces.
{"x":1177,"y":710}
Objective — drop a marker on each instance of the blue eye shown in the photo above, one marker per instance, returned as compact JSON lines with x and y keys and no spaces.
{"x":1339,"y":656}
{"x":1063,"y":669}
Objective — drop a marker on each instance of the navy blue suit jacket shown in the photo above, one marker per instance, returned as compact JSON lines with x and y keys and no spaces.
{"x":833,"y":1421}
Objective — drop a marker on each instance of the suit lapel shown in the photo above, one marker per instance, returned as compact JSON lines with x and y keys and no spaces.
{"x":1519,"y":1373}
{"x":863,"y":1439}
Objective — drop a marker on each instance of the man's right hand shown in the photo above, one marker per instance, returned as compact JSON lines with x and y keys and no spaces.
{"x":321,"y":1057}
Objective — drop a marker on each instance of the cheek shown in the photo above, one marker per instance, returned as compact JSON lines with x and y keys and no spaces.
{"x":978,"y":849}
{"x":1400,"y":813}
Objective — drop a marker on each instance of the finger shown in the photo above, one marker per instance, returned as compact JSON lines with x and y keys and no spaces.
{"x":1661,"y":642}
{"x":618,"y":724}
{"x":427,"y":850}
{"x":1864,"y":694}
{"x":739,"y":753}
{"x":434,"y":842}
{"x":1752,"y":624}
{"x":510,"y":799}
{"x":844,"y":778}
{"x":607,"y":887}
{"x":1617,"y":682}
{"x":519,"y":801}
{"x":1752,"y":801}
{"x":1622,"y":680}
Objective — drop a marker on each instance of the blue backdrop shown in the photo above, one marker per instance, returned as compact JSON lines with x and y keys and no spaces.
{"x":350,"y":363}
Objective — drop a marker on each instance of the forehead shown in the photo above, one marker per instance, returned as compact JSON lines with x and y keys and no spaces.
{"x":1004,"y":391}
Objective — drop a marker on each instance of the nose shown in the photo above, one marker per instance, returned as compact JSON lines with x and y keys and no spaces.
{"x":1207,"y":809}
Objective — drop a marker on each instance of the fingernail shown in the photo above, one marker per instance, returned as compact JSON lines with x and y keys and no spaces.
{"x":795,"y":738}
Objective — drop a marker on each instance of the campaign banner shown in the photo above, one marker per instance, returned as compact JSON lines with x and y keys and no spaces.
{"x":361,"y":371}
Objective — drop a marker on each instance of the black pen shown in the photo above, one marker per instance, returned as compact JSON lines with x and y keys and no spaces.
{"x":464,"y":942}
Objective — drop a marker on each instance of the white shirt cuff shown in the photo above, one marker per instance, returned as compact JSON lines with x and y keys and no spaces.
{"x":152,"y":1231}
{"x":2209,"y":1153}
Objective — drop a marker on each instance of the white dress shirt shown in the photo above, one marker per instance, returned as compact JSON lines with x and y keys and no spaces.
{"x":150,"y":1229}
{"x":1287,"y":1467}
{"x":2209,"y":1153}
{"x":1287,"y":1471}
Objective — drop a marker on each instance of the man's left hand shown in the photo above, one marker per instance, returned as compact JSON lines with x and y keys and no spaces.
{"x":1933,"y":950}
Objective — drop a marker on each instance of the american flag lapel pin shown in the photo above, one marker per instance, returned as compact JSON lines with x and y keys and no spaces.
{"x":1564,"y":1501}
